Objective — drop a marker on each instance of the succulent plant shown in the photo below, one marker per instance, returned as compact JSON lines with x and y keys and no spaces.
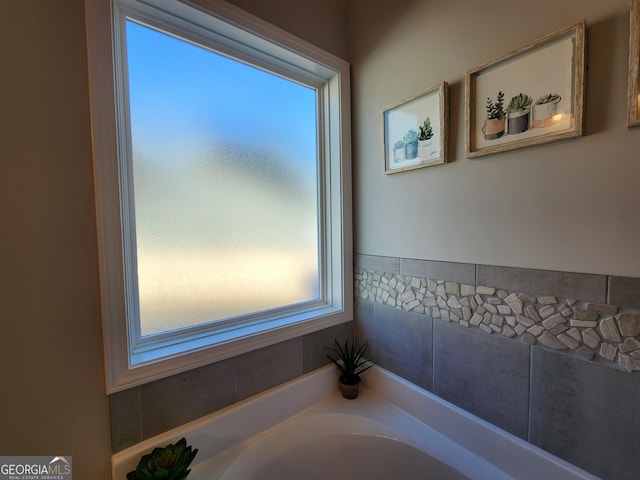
{"x":495,"y":110}
{"x":519,"y":102}
{"x":410,"y":137}
{"x":168,"y":463}
{"x":350,"y":360}
{"x":552,"y":97}
{"x":398,"y":145}
{"x":426,"y":132}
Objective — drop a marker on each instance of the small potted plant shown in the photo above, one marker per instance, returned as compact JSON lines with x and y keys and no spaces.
{"x":424,"y":140}
{"x":410,"y":144}
{"x":518,"y":113}
{"x":398,"y":151}
{"x":168,"y":463}
{"x":493,"y":127}
{"x":350,"y":361}
{"x":544,"y":110}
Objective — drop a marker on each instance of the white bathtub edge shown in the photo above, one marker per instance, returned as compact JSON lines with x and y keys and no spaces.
{"x":241,"y":420}
{"x":523,"y":457}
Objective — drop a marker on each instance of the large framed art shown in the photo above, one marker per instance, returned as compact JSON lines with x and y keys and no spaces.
{"x":530,"y":96}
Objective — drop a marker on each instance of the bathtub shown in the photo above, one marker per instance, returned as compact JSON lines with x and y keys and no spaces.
{"x":305,"y":429}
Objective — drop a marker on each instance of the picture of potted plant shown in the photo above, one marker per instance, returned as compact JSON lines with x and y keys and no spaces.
{"x":410,"y":144}
{"x":169,"y":463}
{"x":518,"y":113}
{"x":494,"y":125}
{"x":350,"y":361}
{"x":545,"y":109}
{"x":398,"y":151}
{"x":424,"y":140}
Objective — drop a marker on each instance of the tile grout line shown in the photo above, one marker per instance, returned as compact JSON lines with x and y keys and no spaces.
{"x":530,"y":393}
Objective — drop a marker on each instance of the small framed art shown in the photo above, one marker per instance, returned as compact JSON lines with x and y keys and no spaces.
{"x":415,"y":131}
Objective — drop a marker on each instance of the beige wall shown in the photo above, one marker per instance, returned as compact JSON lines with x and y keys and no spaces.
{"x":321,"y":22}
{"x":570,"y":206}
{"x":52,"y":398}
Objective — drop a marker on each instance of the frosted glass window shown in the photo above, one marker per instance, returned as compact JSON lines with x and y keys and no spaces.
{"x":221,"y":147}
{"x":225,"y":181}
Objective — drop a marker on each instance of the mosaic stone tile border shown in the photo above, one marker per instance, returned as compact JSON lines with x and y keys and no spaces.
{"x":589,"y":330}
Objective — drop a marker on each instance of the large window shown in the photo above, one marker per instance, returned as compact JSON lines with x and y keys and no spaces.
{"x":224,"y":223}
{"x":225,"y":183}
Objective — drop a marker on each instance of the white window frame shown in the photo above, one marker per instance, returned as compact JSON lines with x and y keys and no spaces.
{"x":226,"y":28}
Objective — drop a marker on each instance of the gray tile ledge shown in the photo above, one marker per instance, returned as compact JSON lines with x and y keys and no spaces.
{"x":595,"y":288}
{"x":449,"y":271}
{"x":583,"y":286}
{"x":377,"y":263}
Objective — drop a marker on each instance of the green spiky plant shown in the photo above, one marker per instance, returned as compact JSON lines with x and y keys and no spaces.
{"x":350,"y":361}
{"x":550,"y":98}
{"x":168,"y":463}
{"x":519,"y":102}
{"x":410,"y":137}
{"x":426,"y":131}
{"x":495,"y":111}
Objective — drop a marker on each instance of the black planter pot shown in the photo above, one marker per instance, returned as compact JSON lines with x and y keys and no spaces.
{"x":350,"y":391}
{"x":518,"y":121}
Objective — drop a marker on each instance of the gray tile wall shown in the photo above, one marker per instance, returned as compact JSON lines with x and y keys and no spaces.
{"x":584,"y":412}
{"x":469,"y":361}
{"x":390,"y":331}
{"x":624,"y":291}
{"x":147,"y":410}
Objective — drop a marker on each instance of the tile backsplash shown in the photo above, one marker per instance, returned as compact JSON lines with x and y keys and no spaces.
{"x":578,"y":321}
{"x":548,"y":356}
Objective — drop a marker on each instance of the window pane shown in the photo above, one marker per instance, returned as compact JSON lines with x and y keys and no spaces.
{"x":225,"y":182}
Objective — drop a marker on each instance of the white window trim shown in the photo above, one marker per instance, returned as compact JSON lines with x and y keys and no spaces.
{"x":286,"y":52}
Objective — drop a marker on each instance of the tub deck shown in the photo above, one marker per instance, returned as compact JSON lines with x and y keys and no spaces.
{"x":336,"y":438}
{"x":237,"y":441}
